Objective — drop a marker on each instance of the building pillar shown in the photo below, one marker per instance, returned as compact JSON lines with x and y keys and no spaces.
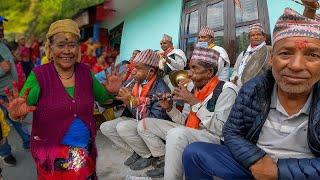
{"x":83,"y":34}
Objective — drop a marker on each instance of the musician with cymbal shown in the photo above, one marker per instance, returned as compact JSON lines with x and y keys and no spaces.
{"x":123,"y":130}
{"x":171,"y":58}
{"x":204,"y":113}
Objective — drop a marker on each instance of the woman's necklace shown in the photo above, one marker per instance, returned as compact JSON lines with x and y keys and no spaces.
{"x":67,"y":77}
{"x":62,"y":77}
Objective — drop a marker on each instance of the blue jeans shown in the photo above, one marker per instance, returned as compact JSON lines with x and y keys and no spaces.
{"x":206,"y":160}
{"x":21,"y":130}
{"x":23,"y":133}
{"x":5,"y":149}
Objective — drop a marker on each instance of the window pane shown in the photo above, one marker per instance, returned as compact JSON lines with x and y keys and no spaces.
{"x":242,"y":41}
{"x":190,"y":43}
{"x":192,"y":21}
{"x":191,"y":3}
{"x":218,"y":38}
{"x":247,"y":12}
{"x":215,"y":15}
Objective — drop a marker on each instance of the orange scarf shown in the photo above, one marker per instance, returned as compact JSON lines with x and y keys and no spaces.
{"x":142,"y":98}
{"x":166,"y":52}
{"x":193,"y":121}
{"x":145,"y":88}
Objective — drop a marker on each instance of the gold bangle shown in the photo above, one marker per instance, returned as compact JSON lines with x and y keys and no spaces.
{"x":19,"y":119}
{"x":130,"y":102}
{"x":133,"y":102}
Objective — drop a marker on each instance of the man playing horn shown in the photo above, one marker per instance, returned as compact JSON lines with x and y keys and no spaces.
{"x":202,"y":118}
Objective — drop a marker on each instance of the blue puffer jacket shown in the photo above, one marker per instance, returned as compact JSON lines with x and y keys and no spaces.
{"x":242,"y":129}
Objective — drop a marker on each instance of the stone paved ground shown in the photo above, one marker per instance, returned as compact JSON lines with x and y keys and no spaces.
{"x":109,"y":164}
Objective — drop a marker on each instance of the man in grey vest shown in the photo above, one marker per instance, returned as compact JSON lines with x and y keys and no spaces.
{"x":202,"y":118}
{"x":254,"y":60}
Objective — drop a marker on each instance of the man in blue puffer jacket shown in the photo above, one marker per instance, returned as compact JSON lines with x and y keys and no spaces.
{"x":273,"y":129}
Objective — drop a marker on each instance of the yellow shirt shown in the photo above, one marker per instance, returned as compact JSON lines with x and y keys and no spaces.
{"x":4,"y":125}
{"x":211,"y":45}
{"x":44,"y":60}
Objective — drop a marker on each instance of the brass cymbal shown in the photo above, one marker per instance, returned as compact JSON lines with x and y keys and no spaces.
{"x":176,"y":76}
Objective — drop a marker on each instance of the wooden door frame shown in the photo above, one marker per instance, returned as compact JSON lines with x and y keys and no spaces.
{"x":230,"y":25}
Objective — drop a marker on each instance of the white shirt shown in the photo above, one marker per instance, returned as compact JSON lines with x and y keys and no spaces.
{"x":223,"y":64}
{"x":283,"y":136}
{"x":246,"y":56}
{"x":211,"y":121}
{"x":179,"y":61}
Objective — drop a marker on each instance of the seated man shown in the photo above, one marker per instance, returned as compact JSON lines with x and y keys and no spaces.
{"x":272,"y":131}
{"x":123,"y":130}
{"x":202,"y":118}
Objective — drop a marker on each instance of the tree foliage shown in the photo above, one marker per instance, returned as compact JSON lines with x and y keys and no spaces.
{"x":33,"y":17}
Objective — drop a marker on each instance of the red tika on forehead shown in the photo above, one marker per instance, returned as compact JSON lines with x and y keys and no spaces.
{"x":68,"y":35}
{"x":301,"y":44}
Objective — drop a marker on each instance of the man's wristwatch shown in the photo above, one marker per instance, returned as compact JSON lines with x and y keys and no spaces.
{"x":195,"y":108}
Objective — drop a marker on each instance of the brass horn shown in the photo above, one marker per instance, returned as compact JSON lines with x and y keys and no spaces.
{"x":177,"y":76}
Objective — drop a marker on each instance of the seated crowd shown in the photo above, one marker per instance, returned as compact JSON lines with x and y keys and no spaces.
{"x":262,"y":124}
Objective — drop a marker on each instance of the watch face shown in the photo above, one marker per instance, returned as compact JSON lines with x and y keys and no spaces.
{"x":195,"y":108}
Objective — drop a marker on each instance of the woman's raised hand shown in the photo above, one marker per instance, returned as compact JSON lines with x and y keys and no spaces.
{"x":113,"y":80}
{"x":17,"y":105}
